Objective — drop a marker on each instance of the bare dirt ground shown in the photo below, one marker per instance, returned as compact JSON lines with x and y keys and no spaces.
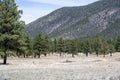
{"x":56,"y":68}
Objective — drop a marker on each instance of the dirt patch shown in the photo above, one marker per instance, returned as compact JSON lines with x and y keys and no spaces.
{"x":97,"y":60}
{"x":68,"y":61}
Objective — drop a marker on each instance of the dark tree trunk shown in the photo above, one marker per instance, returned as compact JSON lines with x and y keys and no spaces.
{"x":5,"y":58}
{"x":45,"y":55}
{"x":104,"y":54}
{"x":38,"y":55}
{"x":73,"y":55}
{"x":97,"y":54}
{"x":24,"y":56}
{"x":86,"y":54}
{"x":110,"y":54}
{"x":5,"y":54}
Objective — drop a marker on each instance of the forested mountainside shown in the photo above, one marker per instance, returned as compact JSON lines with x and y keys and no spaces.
{"x":99,"y":18}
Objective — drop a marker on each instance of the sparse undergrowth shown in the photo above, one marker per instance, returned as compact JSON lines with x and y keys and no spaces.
{"x":55,"y":68}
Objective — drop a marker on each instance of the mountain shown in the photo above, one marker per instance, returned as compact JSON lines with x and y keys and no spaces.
{"x":99,"y":18}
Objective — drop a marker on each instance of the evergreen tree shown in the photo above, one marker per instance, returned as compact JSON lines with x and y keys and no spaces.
{"x":60,"y":45}
{"x":37,"y":46}
{"x":28,"y":46}
{"x":104,"y":48}
{"x":73,"y":48}
{"x":55,"y":45}
{"x":45,"y":45}
{"x":67,"y":46}
{"x":51,"y":46}
{"x":86,"y":47}
{"x":111,"y":45}
{"x":97,"y":45}
{"x":111,"y":49}
{"x":111,"y":41}
{"x":79,"y":45}
{"x":10,"y":26}
{"x":117,"y":46}
{"x":20,"y":47}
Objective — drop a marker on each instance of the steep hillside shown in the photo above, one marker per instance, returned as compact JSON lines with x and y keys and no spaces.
{"x":101,"y":17}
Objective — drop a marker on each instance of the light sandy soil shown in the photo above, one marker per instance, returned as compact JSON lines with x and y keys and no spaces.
{"x":56,"y":68}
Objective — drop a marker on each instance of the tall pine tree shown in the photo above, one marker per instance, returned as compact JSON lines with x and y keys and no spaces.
{"x":10,"y":26}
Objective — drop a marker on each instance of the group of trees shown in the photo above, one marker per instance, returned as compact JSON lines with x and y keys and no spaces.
{"x":96,"y":46}
{"x":14,"y":42}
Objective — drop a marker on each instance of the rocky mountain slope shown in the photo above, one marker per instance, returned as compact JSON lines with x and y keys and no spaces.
{"x":99,"y":18}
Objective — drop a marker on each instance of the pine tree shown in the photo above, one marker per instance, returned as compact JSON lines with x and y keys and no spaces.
{"x":51,"y":47}
{"x":118,"y":44}
{"x":37,"y":46}
{"x":111,"y":49}
{"x":104,"y":48}
{"x":79,"y":45}
{"x":28,"y":46}
{"x":60,"y":46}
{"x":67,"y":46}
{"x":45,"y":45}
{"x":55,"y":45}
{"x":20,"y":45}
{"x":111,"y":45}
{"x":73,"y":48}
{"x":97,"y":45}
{"x":86,"y":47}
{"x":10,"y":26}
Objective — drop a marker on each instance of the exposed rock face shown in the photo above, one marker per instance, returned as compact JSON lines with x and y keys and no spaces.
{"x":101,"y":17}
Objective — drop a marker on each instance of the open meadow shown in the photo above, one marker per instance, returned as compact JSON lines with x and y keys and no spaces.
{"x":62,"y":68}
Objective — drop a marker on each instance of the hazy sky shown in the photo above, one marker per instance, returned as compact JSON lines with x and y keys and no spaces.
{"x":33,"y":9}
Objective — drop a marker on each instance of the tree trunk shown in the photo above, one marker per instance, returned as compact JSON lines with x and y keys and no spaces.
{"x":110,"y":54}
{"x":104,"y":54}
{"x":24,"y":56}
{"x":45,"y":55}
{"x":5,"y":58}
{"x":97,"y":54}
{"x":5,"y":53}
{"x":86,"y":54}
{"x":73,"y":55}
{"x":38,"y":55}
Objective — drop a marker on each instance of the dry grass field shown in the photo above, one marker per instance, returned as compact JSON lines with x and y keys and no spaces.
{"x":62,"y":68}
